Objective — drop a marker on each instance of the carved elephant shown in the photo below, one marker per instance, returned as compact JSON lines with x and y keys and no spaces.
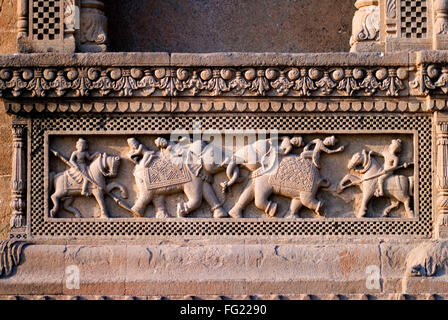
{"x":289,"y":176}
{"x":192,"y":176}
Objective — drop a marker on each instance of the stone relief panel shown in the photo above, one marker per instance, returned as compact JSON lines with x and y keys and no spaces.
{"x":317,"y":173}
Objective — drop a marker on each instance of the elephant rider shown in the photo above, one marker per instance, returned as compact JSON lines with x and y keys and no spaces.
{"x":79,"y":160}
{"x":313,"y":149}
{"x":391,"y":163}
{"x":139,"y":153}
{"x":173,"y":151}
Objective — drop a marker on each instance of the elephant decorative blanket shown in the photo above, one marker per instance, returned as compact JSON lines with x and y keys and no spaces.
{"x":295,"y":173}
{"x":163,"y":173}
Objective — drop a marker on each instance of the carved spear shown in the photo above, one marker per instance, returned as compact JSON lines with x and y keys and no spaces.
{"x":403,"y":166}
{"x":114,"y":197}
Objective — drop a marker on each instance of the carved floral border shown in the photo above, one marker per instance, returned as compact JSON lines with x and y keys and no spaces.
{"x":203,"y":81}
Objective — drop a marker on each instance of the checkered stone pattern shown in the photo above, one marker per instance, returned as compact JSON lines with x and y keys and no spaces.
{"x":131,"y":228}
{"x":414,"y":19}
{"x":46,"y":23}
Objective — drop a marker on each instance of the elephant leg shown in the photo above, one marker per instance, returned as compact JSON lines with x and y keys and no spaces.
{"x":68,"y":206}
{"x":309,"y":200}
{"x":295,"y":206}
{"x":212,"y":200}
{"x":394,"y":204}
{"x":193,"y":191}
{"x":160,"y":208}
{"x":262,"y":192}
{"x":142,"y":202}
{"x":99,"y":196}
{"x":245,"y":198}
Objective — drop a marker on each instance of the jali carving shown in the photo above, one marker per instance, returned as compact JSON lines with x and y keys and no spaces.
{"x":84,"y":179}
{"x":377,"y":181}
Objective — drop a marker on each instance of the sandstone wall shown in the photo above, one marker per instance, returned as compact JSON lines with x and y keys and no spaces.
{"x":230,"y":25}
{"x":198,"y":26}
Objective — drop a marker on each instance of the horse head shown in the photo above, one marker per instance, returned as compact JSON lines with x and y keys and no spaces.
{"x":360,"y":161}
{"x":108,"y":165}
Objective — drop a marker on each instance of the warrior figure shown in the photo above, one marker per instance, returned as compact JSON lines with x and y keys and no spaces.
{"x":79,"y":160}
{"x":391,"y":162}
{"x":139,"y":152}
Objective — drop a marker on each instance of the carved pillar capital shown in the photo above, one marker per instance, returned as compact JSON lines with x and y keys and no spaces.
{"x":366,"y":26}
{"x":93,"y":27}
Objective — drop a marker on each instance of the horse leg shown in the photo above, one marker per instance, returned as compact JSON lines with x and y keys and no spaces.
{"x":193,"y":191}
{"x":159,"y":207}
{"x":99,"y":196}
{"x":348,"y":178}
{"x":67,"y":206}
{"x":55,"y":197}
{"x":407,"y":207}
{"x":212,"y":200}
{"x":308,"y":199}
{"x":295,"y":206}
{"x":395,"y":204}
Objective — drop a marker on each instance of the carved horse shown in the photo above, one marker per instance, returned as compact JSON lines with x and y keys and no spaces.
{"x":66,"y":189}
{"x":398,"y":188}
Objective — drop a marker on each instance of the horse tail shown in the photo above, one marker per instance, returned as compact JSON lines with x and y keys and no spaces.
{"x":115,"y":185}
{"x":51,"y":186}
{"x":411,"y":186}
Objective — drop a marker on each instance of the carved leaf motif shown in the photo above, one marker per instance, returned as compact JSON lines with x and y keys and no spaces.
{"x":38,"y":87}
{"x":217,"y":85}
{"x":16,"y":84}
{"x":304,"y":85}
{"x":103,"y":84}
{"x":392,"y":85}
{"x":170,"y":85}
{"x":348,"y":85}
{"x":60,"y":84}
{"x":125,"y":85}
{"x":260,"y":85}
{"x":10,"y":251}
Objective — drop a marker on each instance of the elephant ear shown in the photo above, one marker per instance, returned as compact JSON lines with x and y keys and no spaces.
{"x":194,"y":163}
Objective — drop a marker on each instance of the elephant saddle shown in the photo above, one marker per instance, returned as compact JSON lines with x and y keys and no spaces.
{"x":295,"y":173}
{"x":164,"y":173}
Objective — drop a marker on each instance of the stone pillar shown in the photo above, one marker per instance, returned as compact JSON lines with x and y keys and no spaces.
{"x":441,"y":227}
{"x":366,"y":27}
{"x":22,"y":19}
{"x":18,"y":178}
{"x":93,"y":27}
{"x":440,"y":32}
